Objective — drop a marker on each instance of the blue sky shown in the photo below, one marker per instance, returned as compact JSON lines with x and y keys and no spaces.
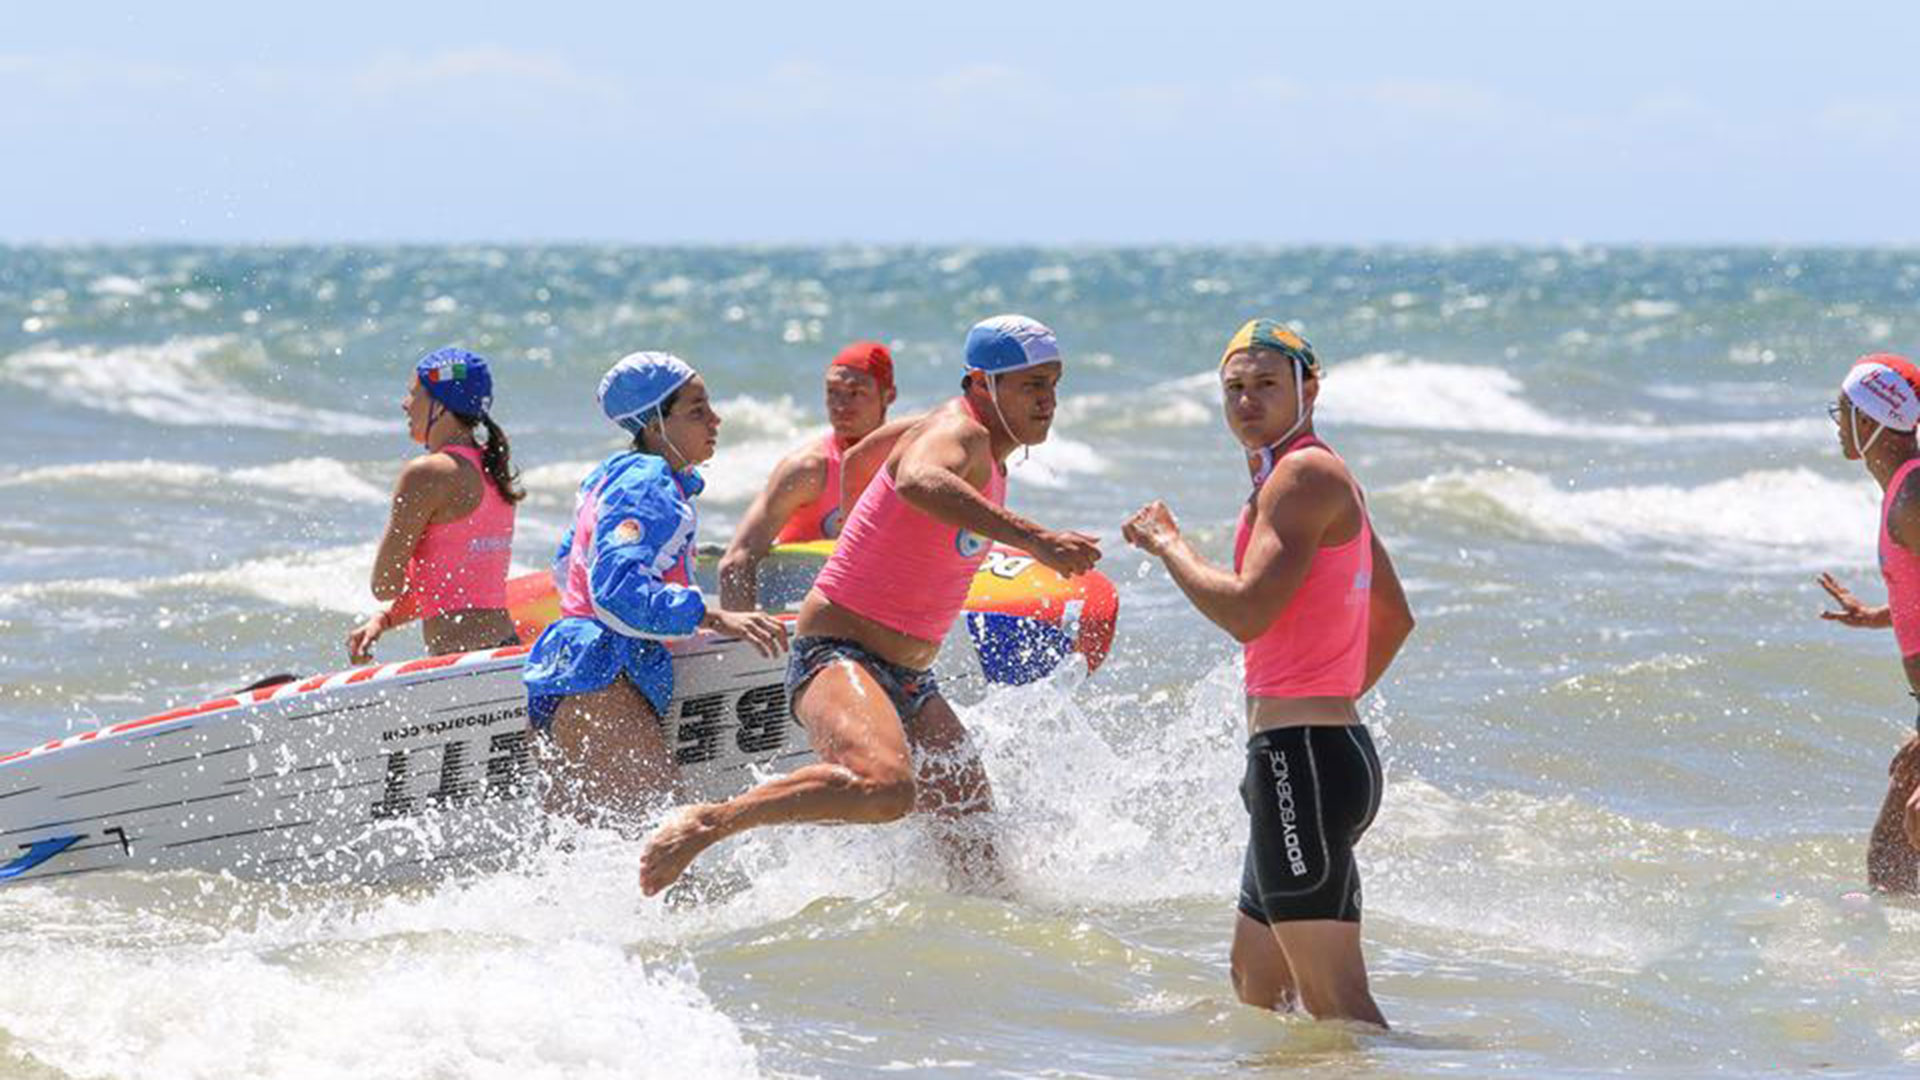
{"x":1257,"y":123}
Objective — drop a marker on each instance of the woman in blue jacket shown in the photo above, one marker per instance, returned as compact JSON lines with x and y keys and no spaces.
{"x":599,"y":680}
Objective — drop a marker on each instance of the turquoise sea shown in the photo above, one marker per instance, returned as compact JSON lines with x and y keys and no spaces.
{"x":1630,"y":772}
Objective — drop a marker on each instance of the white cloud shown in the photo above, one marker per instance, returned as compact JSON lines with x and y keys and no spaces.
{"x":398,"y":75}
{"x":1671,"y":108}
{"x":977,"y":79}
{"x":1871,"y":122}
{"x":500,"y":70}
{"x":1271,"y":90}
{"x":75,"y":73}
{"x":1436,"y":98}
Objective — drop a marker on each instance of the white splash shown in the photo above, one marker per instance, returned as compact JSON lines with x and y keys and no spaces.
{"x":510,"y":988}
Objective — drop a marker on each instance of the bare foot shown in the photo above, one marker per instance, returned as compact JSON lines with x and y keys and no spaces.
{"x":674,"y":844}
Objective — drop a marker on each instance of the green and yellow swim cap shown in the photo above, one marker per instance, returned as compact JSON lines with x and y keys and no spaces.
{"x":1272,"y":335}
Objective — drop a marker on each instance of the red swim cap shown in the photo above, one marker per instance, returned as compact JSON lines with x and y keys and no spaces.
{"x":870,"y":357}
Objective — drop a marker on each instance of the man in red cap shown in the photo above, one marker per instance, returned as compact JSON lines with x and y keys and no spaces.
{"x":802,"y":499}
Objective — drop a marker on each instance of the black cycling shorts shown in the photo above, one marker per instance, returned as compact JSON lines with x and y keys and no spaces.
{"x":1311,"y":792}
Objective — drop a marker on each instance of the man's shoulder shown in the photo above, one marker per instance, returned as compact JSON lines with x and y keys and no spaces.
{"x":808,"y":457}
{"x":1313,"y":466}
{"x":952,"y":420}
{"x":1310,"y":477}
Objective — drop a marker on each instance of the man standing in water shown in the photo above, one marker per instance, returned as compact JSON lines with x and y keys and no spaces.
{"x":1314,"y":600}
{"x":888,"y":741}
{"x":801,"y":501}
{"x":1878,"y":409}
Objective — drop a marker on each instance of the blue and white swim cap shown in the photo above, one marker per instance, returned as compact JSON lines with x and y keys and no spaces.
{"x":638,"y":383}
{"x":1007,"y":343}
{"x":458,"y":380}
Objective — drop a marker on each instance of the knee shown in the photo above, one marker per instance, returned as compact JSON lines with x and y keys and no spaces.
{"x":885,"y":792}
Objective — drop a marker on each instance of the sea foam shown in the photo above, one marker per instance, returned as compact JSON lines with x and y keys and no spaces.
{"x":510,"y":989}
{"x":325,"y":579}
{"x":319,"y":478}
{"x":1765,"y":520}
{"x":179,"y":382}
{"x":1396,"y":392}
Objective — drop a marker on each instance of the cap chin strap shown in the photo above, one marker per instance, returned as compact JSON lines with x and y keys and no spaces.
{"x":1853,"y":419}
{"x":661,"y":418}
{"x":993,"y":395}
{"x":1269,"y":454}
{"x":434,"y":409}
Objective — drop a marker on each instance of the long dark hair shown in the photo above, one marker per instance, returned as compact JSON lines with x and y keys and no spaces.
{"x":496,"y":457}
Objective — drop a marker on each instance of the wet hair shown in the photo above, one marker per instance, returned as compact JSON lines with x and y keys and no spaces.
{"x":659,"y":413}
{"x":496,"y":458}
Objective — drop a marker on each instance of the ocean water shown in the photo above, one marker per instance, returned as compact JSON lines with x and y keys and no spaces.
{"x":1630,"y":771}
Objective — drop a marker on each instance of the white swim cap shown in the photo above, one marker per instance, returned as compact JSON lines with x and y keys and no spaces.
{"x":1887,"y":389}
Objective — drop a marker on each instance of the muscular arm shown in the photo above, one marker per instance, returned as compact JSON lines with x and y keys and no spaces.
{"x":863,"y":459}
{"x":796,"y":481}
{"x":1389,"y":618}
{"x":941,"y":473}
{"x":1292,"y":514}
{"x":425,"y":484}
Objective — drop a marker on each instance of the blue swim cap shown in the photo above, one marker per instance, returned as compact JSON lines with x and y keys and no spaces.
{"x":638,"y":384}
{"x":1009,"y":343}
{"x":458,"y":380}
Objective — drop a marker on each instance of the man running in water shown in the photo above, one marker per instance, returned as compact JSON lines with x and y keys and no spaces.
{"x":1878,"y":409}
{"x":801,"y":501}
{"x":1314,"y":600}
{"x":869,"y":629}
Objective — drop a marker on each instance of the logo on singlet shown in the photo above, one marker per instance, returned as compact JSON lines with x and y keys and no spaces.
{"x":1283,"y":794}
{"x":830,"y":525}
{"x":969,"y":544}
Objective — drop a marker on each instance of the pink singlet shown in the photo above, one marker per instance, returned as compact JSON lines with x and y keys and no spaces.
{"x":462,"y":565}
{"x":819,"y":519}
{"x":1901,"y":569}
{"x":1317,"y":646}
{"x":675,"y":566}
{"x":900,"y":567}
